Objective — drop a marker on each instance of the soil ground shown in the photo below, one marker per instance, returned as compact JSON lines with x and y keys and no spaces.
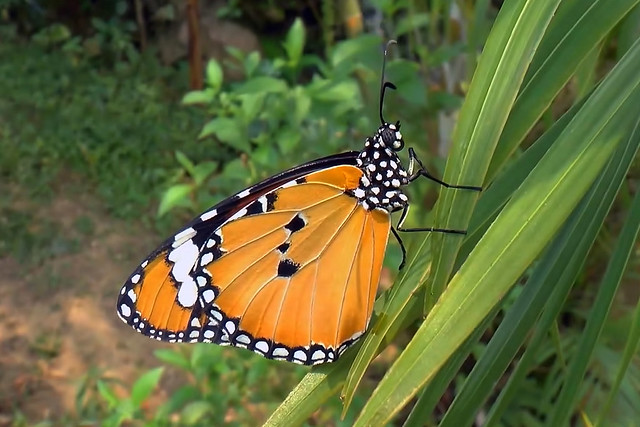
{"x":57,"y":317}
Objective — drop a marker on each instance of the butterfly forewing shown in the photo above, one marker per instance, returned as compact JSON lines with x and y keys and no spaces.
{"x":287,"y":268}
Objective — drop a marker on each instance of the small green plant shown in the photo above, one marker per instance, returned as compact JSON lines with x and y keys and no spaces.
{"x":221,"y":387}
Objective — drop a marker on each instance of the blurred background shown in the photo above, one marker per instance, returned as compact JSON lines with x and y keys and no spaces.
{"x":121,"y":120}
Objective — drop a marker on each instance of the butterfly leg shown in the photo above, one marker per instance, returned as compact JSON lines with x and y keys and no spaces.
{"x":403,"y":216}
{"x":422,"y":171}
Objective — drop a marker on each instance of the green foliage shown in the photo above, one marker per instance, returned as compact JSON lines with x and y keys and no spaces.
{"x":62,"y":115}
{"x":271,"y":120}
{"x":222,"y":387}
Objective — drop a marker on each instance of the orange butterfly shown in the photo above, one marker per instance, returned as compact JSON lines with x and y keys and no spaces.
{"x":287,"y":268}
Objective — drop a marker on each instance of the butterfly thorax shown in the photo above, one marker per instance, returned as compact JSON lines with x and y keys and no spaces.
{"x":382,"y":171}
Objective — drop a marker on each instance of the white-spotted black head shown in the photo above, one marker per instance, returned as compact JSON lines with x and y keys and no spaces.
{"x":391,"y":136}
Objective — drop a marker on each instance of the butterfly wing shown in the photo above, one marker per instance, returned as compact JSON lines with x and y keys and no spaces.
{"x":287,"y":268}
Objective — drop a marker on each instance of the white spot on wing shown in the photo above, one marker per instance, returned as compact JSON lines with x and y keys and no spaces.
{"x":188,"y":293}
{"x":183,"y":236}
{"x":243,"y":339}
{"x":184,"y":258}
{"x":300,"y":355}
{"x":262,"y":347}
{"x":239,"y":214}
{"x":230,"y":327}
{"x":208,"y":295}
{"x":206,"y":259}
{"x":209,"y":214}
{"x":280,"y":352}
{"x":359,"y":193}
{"x":243,"y":193}
{"x":318,"y":355}
{"x":135,"y":278}
{"x":125,"y":310}
{"x":132,"y":295}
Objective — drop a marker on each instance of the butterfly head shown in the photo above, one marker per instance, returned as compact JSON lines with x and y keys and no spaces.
{"x":390,"y":136}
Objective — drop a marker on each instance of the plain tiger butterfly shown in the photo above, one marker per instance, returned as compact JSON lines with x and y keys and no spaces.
{"x":287,"y":268}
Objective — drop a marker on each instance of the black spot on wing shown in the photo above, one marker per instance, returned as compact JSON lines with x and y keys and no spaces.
{"x":271,"y":199}
{"x":283,"y":248}
{"x":301,"y":180}
{"x":255,"y":208}
{"x":287,"y":268}
{"x":296,"y":224}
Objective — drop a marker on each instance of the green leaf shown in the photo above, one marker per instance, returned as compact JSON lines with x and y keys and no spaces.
{"x":143,"y":387}
{"x":227,"y":130}
{"x":288,"y":140}
{"x":252,"y":106}
{"x":199,"y":97}
{"x":202,"y":171}
{"x":185,"y":162}
{"x":174,"y":358}
{"x":175,"y":196}
{"x":251,"y":63}
{"x":294,"y":42}
{"x":214,"y":75}
{"x":261,"y":85}
{"x":195,"y":412}
{"x":107,"y":394}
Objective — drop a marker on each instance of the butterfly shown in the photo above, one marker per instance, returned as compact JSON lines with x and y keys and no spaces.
{"x":287,"y":268}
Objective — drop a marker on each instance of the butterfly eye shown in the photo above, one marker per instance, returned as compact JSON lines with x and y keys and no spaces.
{"x":398,"y":144}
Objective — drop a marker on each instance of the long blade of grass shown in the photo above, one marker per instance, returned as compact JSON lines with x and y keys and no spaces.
{"x":577,"y":27}
{"x":518,"y":30}
{"x":527,"y":223}
{"x":589,"y":223}
{"x":574,"y":243}
{"x":563,"y":407}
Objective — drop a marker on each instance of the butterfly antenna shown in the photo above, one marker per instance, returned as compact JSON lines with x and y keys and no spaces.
{"x":384,"y":84}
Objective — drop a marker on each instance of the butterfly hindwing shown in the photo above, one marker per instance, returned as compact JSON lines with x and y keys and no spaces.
{"x":287,"y":268}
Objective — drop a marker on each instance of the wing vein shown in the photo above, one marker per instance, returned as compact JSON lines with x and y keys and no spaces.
{"x":344,"y":290}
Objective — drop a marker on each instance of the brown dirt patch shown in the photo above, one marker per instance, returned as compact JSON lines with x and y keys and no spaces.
{"x":57,"y":316}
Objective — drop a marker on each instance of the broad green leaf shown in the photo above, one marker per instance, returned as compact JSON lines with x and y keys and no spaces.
{"x":196,"y":411}
{"x":294,"y":42}
{"x":173,"y":357}
{"x":520,"y":232}
{"x":144,"y":385}
{"x":227,"y":130}
{"x":176,"y":195}
{"x":214,"y":75}
{"x":261,"y":85}
{"x":205,"y":96}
